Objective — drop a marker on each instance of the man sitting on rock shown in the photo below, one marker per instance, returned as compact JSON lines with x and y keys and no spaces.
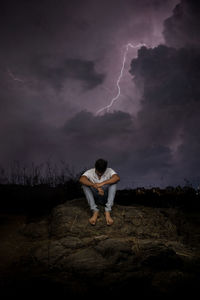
{"x":99,"y":186}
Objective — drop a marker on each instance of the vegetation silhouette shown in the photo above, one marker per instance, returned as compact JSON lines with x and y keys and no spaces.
{"x":39,"y":188}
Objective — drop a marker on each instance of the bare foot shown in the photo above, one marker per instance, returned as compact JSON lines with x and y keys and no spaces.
{"x":109,"y":220}
{"x":93,"y":219}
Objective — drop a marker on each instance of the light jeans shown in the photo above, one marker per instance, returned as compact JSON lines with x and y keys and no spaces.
{"x":93,"y":197}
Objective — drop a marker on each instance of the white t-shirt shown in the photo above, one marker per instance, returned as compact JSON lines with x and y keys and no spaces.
{"x":92,"y":176}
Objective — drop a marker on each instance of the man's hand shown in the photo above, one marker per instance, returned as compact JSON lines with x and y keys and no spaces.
{"x":98,"y":185}
{"x":101,"y":191}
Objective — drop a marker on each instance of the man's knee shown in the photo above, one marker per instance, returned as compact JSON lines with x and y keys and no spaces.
{"x":86,"y":187}
{"x":109,"y":185}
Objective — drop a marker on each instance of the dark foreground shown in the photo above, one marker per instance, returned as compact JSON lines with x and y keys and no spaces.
{"x":148,"y":251}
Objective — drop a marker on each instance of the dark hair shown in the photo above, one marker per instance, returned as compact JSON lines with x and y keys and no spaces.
{"x":101,"y":165}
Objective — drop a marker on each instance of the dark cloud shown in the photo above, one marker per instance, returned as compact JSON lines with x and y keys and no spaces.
{"x":117,"y":137}
{"x":56,"y":72}
{"x":32,"y":19}
{"x":85,"y":137}
{"x":169,"y":79}
{"x":182,"y":28}
{"x":169,"y":76}
{"x":60,"y":51}
{"x":86,"y":126}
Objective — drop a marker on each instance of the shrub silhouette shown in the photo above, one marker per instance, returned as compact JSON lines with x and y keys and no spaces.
{"x":36,"y":190}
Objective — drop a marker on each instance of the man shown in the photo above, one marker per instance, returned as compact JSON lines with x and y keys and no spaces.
{"x":99,"y":185}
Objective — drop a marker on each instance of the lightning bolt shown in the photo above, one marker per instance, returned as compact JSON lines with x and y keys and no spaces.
{"x":129,"y":45}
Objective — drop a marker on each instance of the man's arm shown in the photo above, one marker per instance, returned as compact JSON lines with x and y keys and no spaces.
{"x":114,"y":178}
{"x":86,"y":181}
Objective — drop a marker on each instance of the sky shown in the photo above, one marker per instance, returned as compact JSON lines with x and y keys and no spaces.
{"x":60,"y":62}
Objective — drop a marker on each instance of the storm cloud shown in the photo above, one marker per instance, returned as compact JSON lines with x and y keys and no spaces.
{"x":56,"y":73}
{"x":60,"y":63}
{"x":182,"y":28}
{"x":169,"y":80}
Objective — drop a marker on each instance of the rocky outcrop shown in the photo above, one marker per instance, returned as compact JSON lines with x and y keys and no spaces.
{"x":145,"y":251}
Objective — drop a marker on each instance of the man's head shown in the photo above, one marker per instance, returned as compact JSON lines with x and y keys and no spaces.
{"x":100,"y":166}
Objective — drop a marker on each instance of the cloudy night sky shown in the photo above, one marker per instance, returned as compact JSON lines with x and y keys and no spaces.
{"x":59,"y":66}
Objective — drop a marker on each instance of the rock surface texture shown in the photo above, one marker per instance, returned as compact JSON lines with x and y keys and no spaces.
{"x":147,"y":251}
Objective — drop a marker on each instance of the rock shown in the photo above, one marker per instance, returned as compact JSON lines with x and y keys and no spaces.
{"x":114,"y":250}
{"x":142,"y":243}
{"x":71,"y":242}
{"x":72,"y":217}
{"x":85,"y":261}
{"x":159,"y":256}
{"x":100,"y":237}
{"x":36,"y":230}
